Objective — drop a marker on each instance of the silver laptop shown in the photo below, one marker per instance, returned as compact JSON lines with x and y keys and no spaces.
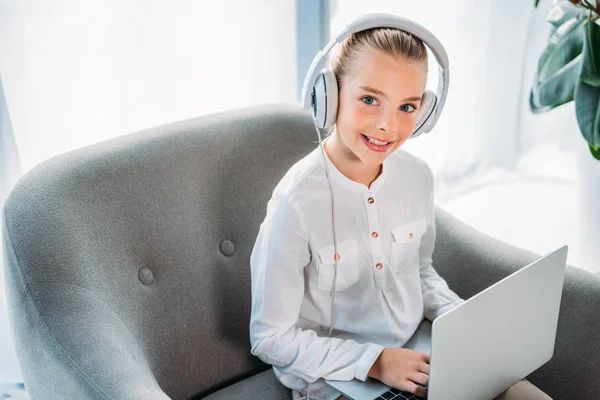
{"x":485,"y":345}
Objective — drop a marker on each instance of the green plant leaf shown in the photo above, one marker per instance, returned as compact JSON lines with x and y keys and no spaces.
{"x":590,"y":68}
{"x":537,"y":2}
{"x":563,"y":11}
{"x":557,"y":90}
{"x":595,"y":152}
{"x":587,"y":94}
{"x":558,"y":67}
{"x":563,"y":46}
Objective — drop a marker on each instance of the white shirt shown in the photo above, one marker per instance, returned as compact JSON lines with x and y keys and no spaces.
{"x":385,"y":281}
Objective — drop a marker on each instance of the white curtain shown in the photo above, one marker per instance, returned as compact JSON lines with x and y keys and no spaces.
{"x":10,"y":170}
{"x":81,"y":72}
{"x":76,"y":73}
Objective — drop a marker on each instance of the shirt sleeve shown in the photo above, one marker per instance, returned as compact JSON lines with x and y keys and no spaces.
{"x":438,"y":298}
{"x":278,"y":260}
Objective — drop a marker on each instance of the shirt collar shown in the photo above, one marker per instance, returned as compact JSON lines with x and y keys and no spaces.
{"x":348,"y":183}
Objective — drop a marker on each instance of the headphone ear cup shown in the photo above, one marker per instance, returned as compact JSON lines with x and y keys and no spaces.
{"x":331,"y":98}
{"x":428,"y":104}
{"x":325,"y":99}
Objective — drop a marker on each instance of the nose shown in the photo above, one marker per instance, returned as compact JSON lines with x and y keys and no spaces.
{"x":387,"y":123}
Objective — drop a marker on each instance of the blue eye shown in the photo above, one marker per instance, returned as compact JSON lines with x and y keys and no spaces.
{"x":410,"y":105}
{"x":368,"y":97}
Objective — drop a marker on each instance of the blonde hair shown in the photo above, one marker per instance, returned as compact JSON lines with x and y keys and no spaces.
{"x":391,"y":41}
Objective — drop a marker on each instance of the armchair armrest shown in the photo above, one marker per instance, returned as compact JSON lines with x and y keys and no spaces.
{"x":471,"y":261}
{"x":70,"y":342}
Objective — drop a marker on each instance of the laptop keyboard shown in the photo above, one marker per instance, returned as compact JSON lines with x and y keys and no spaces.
{"x":395,"y":394}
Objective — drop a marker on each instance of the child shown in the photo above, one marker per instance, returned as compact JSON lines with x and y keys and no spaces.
{"x":384,"y":219}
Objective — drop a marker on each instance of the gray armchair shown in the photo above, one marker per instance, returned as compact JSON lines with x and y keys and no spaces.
{"x":127,"y":265}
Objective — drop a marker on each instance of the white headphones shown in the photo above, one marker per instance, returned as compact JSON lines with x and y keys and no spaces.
{"x":320,"y":90}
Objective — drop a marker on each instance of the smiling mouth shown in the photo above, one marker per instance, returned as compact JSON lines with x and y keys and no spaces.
{"x":376,"y":141}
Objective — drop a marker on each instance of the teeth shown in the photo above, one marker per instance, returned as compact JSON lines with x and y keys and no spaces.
{"x":376,"y":141}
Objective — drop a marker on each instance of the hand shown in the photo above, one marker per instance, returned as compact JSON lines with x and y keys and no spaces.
{"x":402,"y":369}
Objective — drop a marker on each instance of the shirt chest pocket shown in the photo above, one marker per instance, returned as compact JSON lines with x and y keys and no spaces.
{"x":406,"y":240}
{"x":347,"y":268}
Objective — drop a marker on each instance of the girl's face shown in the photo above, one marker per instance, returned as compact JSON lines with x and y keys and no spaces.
{"x":379,"y":100}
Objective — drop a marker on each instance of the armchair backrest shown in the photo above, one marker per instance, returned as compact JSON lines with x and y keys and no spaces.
{"x":131,"y":256}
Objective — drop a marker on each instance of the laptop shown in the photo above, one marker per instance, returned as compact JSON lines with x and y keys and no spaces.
{"x":488,"y":343}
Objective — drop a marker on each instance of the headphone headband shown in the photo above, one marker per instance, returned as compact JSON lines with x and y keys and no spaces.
{"x":382,"y":20}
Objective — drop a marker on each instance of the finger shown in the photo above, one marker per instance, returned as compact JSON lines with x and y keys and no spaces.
{"x":426,"y":357}
{"x":420,"y":378}
{"x":416,"y":389}
{"x":424,"y":368}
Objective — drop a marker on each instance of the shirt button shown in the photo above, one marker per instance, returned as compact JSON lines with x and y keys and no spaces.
{"x":379,"y":266}
{"x":371,"y":200}
{"x":336,"y":257}
{"x":374,"y":234}
{"x":410,"y":236}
